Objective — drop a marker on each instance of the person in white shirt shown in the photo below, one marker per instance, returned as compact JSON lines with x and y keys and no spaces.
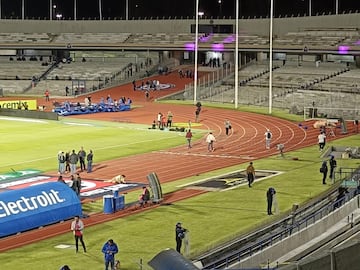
{"x":321,"y":141}
{"x":268,"y":137}
{"x":210,"y":139}
{"x":77,"y":226}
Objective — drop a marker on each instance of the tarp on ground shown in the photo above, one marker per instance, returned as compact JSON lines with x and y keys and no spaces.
{"x":36,"y":206}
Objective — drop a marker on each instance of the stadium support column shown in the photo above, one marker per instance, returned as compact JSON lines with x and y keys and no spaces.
{"x":357,"y":61}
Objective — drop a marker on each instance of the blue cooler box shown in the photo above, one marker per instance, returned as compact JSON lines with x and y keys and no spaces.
{"x":119,"y":202}
{"x":108,"y":204}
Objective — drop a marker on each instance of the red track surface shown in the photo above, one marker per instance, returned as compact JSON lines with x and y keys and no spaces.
{"x":245,"y":142}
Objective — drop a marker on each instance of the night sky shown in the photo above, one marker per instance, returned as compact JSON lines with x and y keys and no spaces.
{"x":89,"y":9}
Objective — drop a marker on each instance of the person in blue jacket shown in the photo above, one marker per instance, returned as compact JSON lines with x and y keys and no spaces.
{"x":109,"y":249}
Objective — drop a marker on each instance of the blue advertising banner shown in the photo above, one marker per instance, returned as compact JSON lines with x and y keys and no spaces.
{"x":35,"y":206}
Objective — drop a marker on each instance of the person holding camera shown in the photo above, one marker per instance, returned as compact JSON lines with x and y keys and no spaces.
{"x":109,"y":249}
{"x":179,"y":236}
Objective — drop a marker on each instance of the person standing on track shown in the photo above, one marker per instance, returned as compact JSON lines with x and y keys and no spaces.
{"x":268,"y":136}
{"x":210,"y":139}
{"x":227,"y":127}
{"x":188,"y":137}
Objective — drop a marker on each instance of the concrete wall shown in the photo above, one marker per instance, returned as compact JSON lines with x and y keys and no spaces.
{"x":255,"y":26}
{"x":296,"y":240}
{"x":29,"y":114}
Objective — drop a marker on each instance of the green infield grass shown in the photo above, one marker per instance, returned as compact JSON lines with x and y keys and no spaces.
{"x":212,"y":218}
{"x":31,"y":143}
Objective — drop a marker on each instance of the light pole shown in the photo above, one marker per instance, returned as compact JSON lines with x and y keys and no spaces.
{"x":127,"y":10}
{"x":271,"y":54}
{"x":220,"y":8}
{"x":50,"y":9}
{"x":23,"y":9}
{"x":75,"y":10}
{"x":100,"y":10}
{"x":236,"y":54}
{"x":337,"y":7}
{"x":196,"y":48}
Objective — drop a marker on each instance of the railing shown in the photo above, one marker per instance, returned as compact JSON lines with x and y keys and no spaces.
{"x":294,"y":226}
{"x":225,"y":17}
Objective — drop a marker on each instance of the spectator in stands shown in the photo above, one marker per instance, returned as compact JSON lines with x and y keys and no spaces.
{"x":66,"y":90}
{"x":324,"y":171}
{"x":179,"y":236}
{"x":250,"y":172}
{"x":109,"y":249}
{"x":144,"y":196}
{"x":47,"y":95}
{"x":77,"y":227}
{"x":89,"y":159}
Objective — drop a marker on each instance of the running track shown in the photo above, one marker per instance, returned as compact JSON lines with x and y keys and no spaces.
{"x":245,"y":142}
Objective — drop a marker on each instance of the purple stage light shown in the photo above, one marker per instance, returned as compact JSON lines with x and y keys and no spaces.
{"x":190,"y":46}
{"x":218,"y":47}
{"x":205,"y":38}
{"x":344,"y":49}
{"x":229,"y":39}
